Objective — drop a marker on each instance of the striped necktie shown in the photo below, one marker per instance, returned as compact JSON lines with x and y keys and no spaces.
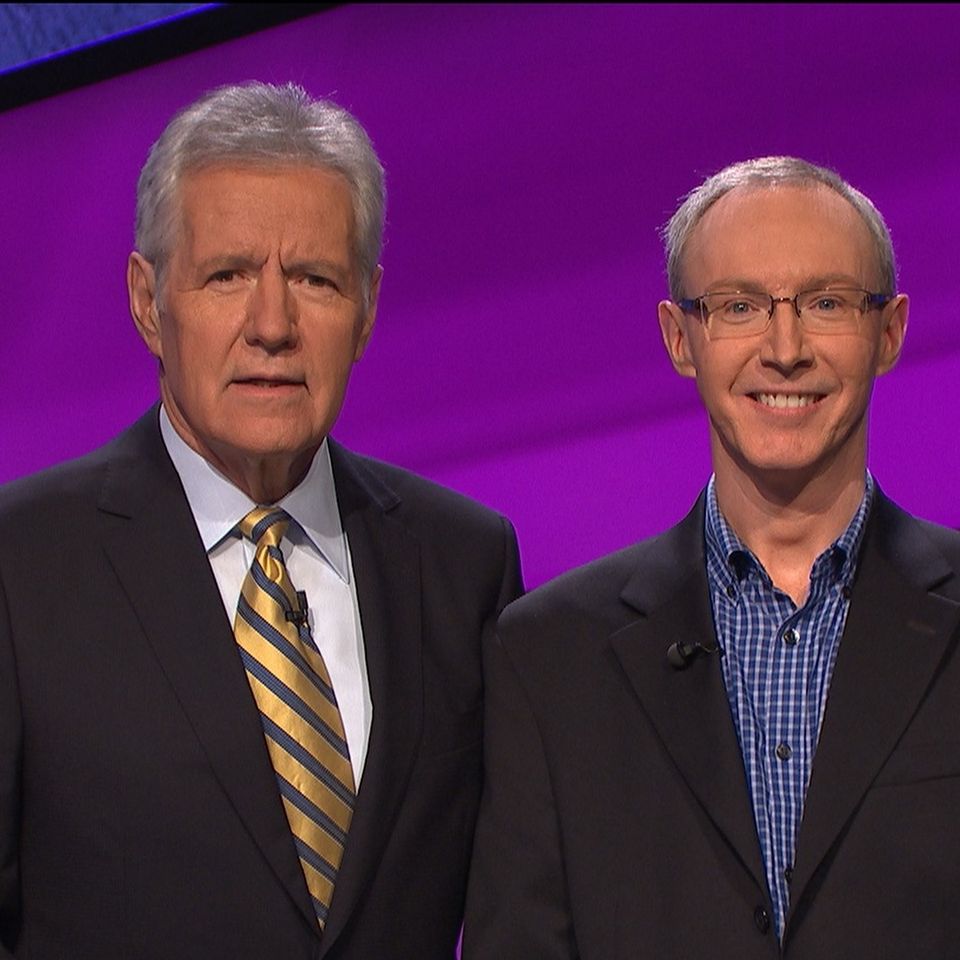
{"x":298,"y":709}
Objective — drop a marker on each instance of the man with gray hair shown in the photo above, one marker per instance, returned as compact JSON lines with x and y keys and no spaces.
{"x":741,"y":739}
{"x":240,"y":666}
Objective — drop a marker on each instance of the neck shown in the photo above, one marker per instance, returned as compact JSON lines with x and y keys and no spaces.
{"x":787,"y":522}
{"x":265,"y":480}
{"x":264,"y":477}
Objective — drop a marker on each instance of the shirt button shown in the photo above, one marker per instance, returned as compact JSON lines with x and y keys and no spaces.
{"x":788,"y":874}
{"x":783,"y":751}
{"x":762,"y":919}
{"x":790,"y":637}
{"x":731,"y":591}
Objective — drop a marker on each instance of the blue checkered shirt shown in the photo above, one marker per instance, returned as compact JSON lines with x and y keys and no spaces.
{"x":777,"y":664}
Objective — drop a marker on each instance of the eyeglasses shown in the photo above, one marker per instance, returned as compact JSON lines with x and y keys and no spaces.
{"x":746,"y":313}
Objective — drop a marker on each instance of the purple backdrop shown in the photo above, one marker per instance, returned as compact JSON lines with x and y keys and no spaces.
{"x":532,"y":153}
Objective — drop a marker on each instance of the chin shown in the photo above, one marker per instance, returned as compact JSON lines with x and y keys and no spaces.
{"x":768,"y":458}
{"x":266,"y":440}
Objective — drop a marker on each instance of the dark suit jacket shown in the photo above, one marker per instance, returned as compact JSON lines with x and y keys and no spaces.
{"x":139,"y":812}
{"x":616,"y":821}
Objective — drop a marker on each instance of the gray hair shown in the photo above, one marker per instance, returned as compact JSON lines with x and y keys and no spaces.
{"x":769,"y":172}
{"x":260,"y":125}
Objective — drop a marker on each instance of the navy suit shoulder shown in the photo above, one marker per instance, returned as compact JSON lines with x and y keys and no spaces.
{"x":582,"y":605}
{"x":945,"y":538}
{"x":468,"y":551}
{"x":422,"y":500}
{"x":945,"y":542}
{"x":58,"y":487}
{"x":614,"y":588}
{"x":133,"y":465}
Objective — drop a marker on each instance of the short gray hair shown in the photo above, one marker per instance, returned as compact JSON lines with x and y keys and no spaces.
{"x":261,"y":125}
{"x":770,"y":172}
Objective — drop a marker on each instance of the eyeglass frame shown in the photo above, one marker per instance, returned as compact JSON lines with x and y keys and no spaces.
{"x":875,"y":301}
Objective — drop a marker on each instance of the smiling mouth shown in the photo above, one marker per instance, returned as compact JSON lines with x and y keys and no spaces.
{"x":787,"y":401}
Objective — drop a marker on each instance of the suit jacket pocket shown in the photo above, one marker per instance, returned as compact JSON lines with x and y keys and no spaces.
{"x":916,"y":762}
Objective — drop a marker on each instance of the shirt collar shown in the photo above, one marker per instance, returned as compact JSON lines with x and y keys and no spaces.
{"x":217,"y":505}
{"x":729,"y":559}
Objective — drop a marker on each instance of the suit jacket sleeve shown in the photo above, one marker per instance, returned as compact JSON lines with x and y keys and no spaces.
{"x":516,"y":902}
{"x":9,"y":787}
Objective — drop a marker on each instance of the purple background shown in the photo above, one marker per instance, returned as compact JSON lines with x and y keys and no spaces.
{"x":532,"y":153}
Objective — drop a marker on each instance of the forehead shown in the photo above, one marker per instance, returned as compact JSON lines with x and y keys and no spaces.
{"x":780,"y":235}
{"x":228,"y":202}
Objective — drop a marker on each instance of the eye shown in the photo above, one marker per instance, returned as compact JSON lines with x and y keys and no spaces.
{"x":827,"y":303}
{"x":315,"y":284}
{"x":740,"y":307}
{"x":221,"y":277}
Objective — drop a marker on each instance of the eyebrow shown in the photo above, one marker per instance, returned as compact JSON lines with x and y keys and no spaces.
{"x":228,"y":261}
{"x":811,"y":282}
{"x":246,"y":261}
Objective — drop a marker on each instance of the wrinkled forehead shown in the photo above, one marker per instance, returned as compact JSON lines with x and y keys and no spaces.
{"x":310,"y":179}
{"x":236,"y":181}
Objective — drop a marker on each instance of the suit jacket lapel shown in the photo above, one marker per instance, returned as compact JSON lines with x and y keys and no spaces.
{"x":151,"y":539}
{"x":688,"y":707}
{"x":386,"y":564}
{"x":898,"y":631}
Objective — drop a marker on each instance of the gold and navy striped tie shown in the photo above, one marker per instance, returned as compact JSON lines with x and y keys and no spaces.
{"x":301,"y":720}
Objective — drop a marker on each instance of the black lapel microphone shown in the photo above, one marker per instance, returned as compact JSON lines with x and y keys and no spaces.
{"x":300,"y":615}
{"x":681,"y":654}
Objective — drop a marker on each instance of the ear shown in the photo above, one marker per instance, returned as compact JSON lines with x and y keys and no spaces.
{"x":369,"y":315}
{"x":674,"y":327}
{"x":892,"y":332}
{"x":142,"y":290}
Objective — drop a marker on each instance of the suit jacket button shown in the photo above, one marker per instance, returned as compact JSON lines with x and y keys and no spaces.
{"x":762,"y":919}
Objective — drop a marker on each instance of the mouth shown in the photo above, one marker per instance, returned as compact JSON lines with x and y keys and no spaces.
{"x":787,"y":401}
{"x":267,"y":383}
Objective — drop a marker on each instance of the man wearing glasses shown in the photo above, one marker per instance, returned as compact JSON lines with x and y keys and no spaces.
{"x":741,"y":739}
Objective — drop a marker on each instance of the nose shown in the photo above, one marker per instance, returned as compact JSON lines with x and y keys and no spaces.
{"x":785,"y":346}
{"x":271,"y":319}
